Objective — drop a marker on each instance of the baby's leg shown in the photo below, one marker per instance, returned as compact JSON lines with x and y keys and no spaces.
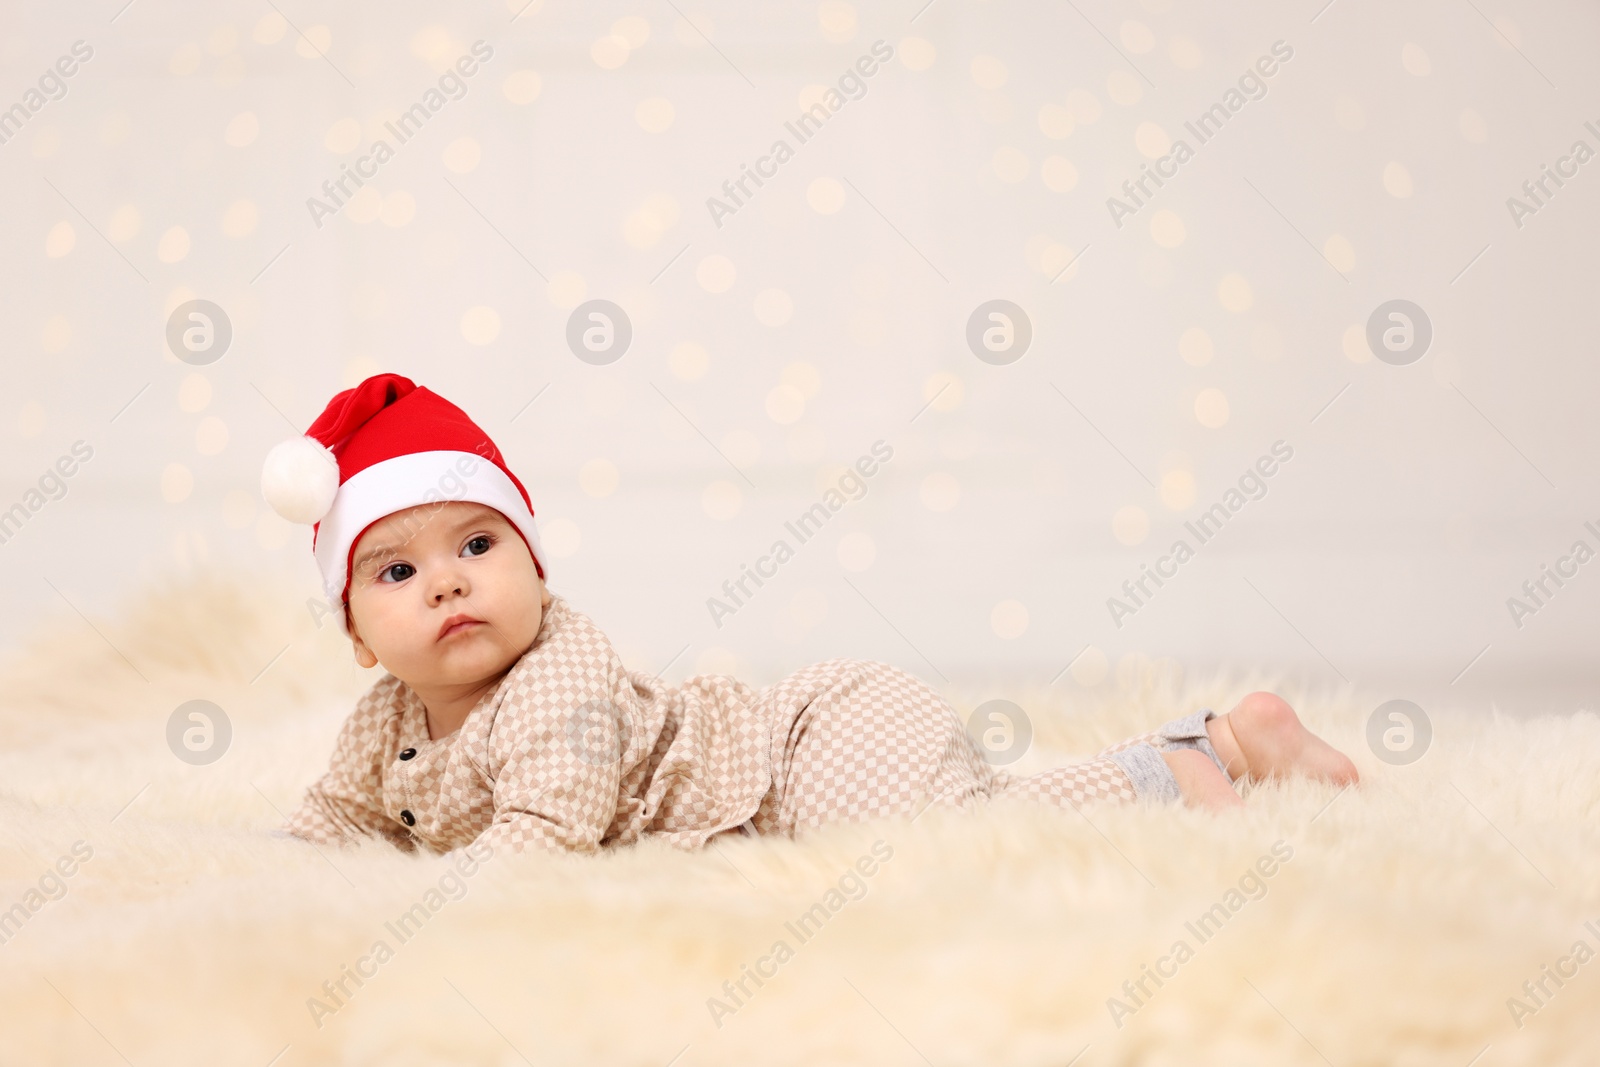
{"x":1137,"y":771}
{"x":1261,"y":737}
{"x":860,"y":740}
{"x":1201,"y":782}
{"x":1197,"y":758}
{"x":1093,"y":781}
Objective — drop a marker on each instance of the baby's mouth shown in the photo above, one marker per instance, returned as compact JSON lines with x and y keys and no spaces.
{"x":456,"y":624}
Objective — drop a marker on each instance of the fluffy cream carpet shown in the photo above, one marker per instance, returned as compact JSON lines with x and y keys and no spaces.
{"x":1409,"y":913}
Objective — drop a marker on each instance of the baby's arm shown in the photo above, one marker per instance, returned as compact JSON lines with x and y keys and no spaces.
{"x":557,"y":771}
{"x":346,"y":803}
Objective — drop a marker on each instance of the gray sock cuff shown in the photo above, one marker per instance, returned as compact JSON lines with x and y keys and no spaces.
{"x":1190,"y":732}
{"x":1151,"y":777}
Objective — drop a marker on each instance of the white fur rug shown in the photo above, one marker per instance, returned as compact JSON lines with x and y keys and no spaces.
{"x":1411,"y":910}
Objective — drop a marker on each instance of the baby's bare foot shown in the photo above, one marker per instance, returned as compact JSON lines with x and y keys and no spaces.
{"x":1201,"y":781}
{"x":1263,"y":737}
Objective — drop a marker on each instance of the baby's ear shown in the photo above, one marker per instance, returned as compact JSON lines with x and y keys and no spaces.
{"x":544,"y":594}
{"x":364,"y":655}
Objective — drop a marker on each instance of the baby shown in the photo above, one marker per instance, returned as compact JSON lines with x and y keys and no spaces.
{"x":505,"y":717}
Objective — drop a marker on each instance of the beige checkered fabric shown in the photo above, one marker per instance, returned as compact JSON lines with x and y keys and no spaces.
{"x":573,"y":752}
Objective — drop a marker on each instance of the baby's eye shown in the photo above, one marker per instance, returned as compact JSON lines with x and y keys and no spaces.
{"x":396,"y":572}
{"x":478,"y":545}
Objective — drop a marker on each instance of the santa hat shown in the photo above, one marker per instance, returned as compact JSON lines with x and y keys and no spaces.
{"x":382,"y":447}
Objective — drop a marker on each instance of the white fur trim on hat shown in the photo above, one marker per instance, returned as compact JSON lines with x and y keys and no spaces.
{"x":300,"y":478}
{"x":405,"y":482}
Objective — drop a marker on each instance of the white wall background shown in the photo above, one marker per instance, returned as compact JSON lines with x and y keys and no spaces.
{"x":825,"y":314}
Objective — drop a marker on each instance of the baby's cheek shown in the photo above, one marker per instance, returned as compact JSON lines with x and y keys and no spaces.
{"x":408,"y":636}
{"x":522,"y":622}
{"x":522,"y":615}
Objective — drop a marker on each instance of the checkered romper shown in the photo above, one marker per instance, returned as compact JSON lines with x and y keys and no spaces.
{"x":574,"y":752}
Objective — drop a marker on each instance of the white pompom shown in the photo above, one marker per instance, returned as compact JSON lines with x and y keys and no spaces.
{"x":300,"y":479}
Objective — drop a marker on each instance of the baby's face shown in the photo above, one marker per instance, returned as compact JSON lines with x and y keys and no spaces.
{"x":444,"y":595}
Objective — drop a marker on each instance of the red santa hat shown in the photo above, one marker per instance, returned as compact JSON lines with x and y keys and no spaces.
{"x":382,"y":447}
